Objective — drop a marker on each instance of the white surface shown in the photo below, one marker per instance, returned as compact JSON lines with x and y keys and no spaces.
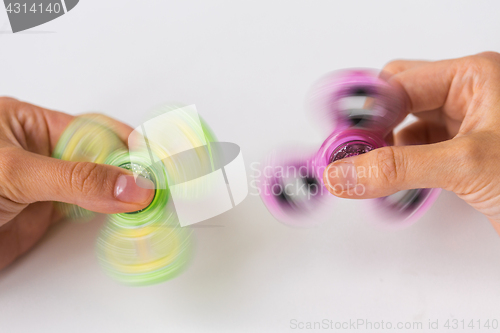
{"x":247,"y":68}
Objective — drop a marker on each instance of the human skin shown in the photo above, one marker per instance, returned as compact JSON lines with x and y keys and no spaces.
{"x":453,"y":145}
{"x":31,"y":180}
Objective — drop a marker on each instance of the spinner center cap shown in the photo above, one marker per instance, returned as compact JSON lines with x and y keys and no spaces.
{"x":349,"y":149}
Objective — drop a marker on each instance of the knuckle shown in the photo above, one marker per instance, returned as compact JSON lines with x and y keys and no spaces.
{"x":389,"y":164}
{"x":7,"y":103}
{"x":488,"y":64}
{"x":86,"y":178}
{"x":6,"y":99}
{"x":479,"y":64}
{"x":495,"y":56}
{"x":468,"y":65}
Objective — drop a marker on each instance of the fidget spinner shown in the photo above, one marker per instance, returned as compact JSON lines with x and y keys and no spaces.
{"x":359,"y":108}
{"x":146,"y":246}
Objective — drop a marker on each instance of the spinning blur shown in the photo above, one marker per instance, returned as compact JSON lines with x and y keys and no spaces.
{"x":359,"y":108}
{"x":194,"y":176}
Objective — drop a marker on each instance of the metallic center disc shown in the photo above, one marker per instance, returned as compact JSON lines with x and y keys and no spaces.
{"x":349,"y":149}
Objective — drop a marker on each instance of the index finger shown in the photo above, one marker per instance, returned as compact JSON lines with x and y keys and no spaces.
{"x":56,"y":122}
{"x":428,"y":85}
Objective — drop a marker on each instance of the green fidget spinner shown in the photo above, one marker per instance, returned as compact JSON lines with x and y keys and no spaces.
{"x":143,"y":247}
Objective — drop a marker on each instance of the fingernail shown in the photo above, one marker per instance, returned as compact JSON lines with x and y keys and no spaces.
{"x":127,"y":190}
{"x":341,"y":176}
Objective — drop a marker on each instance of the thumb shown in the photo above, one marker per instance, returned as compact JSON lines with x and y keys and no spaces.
{"x":28,"y":177}
{"x":387,"y":170}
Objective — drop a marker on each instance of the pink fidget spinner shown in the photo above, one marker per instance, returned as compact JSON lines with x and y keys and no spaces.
{"x":291,"y":183}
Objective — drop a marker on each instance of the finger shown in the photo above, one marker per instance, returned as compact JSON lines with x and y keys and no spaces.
{"x":28,"y":177}
{"x":56,"y":124}
{"x":432,"y":86}
{"x":427,"y":86}
{"x":421,"y":132}
{"x":31,"y":127}
{"x":387,"y":170}
{"x":36,"y":125}
{"x":397,"y":66}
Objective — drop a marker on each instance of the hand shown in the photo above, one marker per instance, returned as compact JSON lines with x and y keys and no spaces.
{"x":454,"y":144}
{"x":30,"y":179}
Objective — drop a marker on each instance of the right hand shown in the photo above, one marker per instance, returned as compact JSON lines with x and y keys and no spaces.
{"x":454,"y":145}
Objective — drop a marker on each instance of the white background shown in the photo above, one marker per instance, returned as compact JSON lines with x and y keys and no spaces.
{"x":247,"y":67}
